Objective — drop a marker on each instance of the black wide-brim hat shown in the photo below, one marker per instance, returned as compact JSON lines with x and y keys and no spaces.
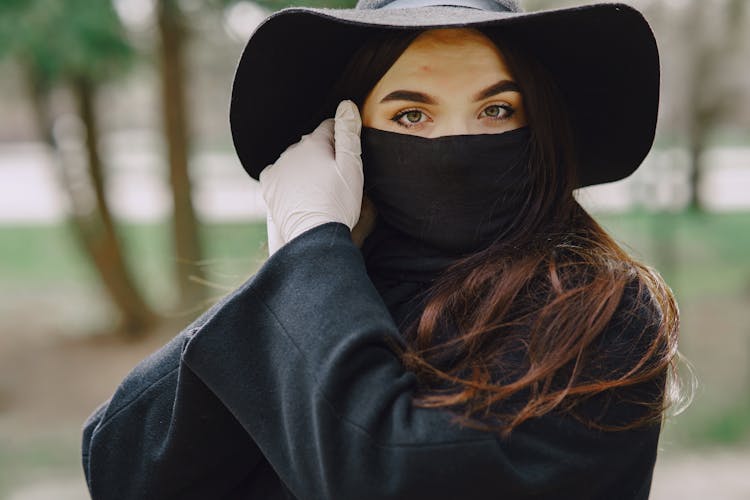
{"x":603,"y":57}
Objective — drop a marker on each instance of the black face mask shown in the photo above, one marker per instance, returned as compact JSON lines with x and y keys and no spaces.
{"x":454,"y":193}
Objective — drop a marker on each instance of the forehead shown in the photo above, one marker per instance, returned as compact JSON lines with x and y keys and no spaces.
{"x":448,"y":58}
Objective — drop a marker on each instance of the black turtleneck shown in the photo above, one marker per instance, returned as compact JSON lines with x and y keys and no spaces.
{"x":402,"y":270}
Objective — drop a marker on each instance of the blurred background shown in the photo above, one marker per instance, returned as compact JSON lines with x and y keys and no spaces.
{"x":124,"y":213}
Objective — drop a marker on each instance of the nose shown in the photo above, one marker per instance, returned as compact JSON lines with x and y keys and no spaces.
{"x":453,"y":126}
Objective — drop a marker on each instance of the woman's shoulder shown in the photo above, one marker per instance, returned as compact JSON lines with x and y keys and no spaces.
{"x":634,"y":294}
{"x":644,"y":307}
{"x":635,"y":347}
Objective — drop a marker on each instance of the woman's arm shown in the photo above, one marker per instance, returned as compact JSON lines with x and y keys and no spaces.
{"x":299,"y":355}
{"x":165,"y":435}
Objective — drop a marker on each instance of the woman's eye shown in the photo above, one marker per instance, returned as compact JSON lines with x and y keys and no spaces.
{"x":409,"y":118}
{"x":498,"y":111}
{"x":413,"y":116}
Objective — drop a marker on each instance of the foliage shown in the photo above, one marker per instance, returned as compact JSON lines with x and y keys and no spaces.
{"x":65,"y":39}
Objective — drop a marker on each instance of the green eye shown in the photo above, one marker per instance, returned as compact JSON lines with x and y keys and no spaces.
{"x":413,"y":116}
{"x":410,"y":118}
{"x":498,"y":112}
{"x":493,"y":110}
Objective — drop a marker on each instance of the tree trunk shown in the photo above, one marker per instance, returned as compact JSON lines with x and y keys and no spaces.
{"x":102,"y":249}
{"x":185,"y":226}
{"x":708,"y":102}
{"x":98,"y":234}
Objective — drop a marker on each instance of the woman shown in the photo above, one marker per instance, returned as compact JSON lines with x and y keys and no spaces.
{"x":463,"y":329}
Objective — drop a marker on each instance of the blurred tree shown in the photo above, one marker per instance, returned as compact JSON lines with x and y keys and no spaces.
{"x":77,"y":44}
{"x":712,"y":31}
{"x":173,"y":27}
{"x":172,"y":32}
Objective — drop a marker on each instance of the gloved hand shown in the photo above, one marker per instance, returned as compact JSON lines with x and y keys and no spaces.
{"x":317,"y":180}
{"x":366,"y":223}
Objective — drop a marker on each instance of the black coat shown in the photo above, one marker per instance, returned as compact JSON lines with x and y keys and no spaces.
{"x":287,"y":389}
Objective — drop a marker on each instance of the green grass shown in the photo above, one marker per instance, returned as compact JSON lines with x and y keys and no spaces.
{"x":730,"y":426}
{"x":22,"y":461}
{"x":39,"y":257}
{"x":698,"y":254}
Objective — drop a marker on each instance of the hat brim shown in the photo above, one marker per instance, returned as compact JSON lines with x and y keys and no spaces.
{"x":603,"y":58}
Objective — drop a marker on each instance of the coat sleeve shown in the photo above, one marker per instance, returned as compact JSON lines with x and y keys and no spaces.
{"x":299,"y":355}
{"x":164,"y":435}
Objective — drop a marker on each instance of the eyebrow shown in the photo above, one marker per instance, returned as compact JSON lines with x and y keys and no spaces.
{"x":497,"y":88}
{"x":414,"y":96}
{"x":408,"y":95}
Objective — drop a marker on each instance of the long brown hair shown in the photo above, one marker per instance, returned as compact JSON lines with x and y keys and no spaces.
{"x":553,"y":315}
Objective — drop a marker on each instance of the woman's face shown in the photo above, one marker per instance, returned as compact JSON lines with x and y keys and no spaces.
{"x":447,"y":82}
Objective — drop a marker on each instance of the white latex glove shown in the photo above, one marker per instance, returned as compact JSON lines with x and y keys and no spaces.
{"x":316,"y":180}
